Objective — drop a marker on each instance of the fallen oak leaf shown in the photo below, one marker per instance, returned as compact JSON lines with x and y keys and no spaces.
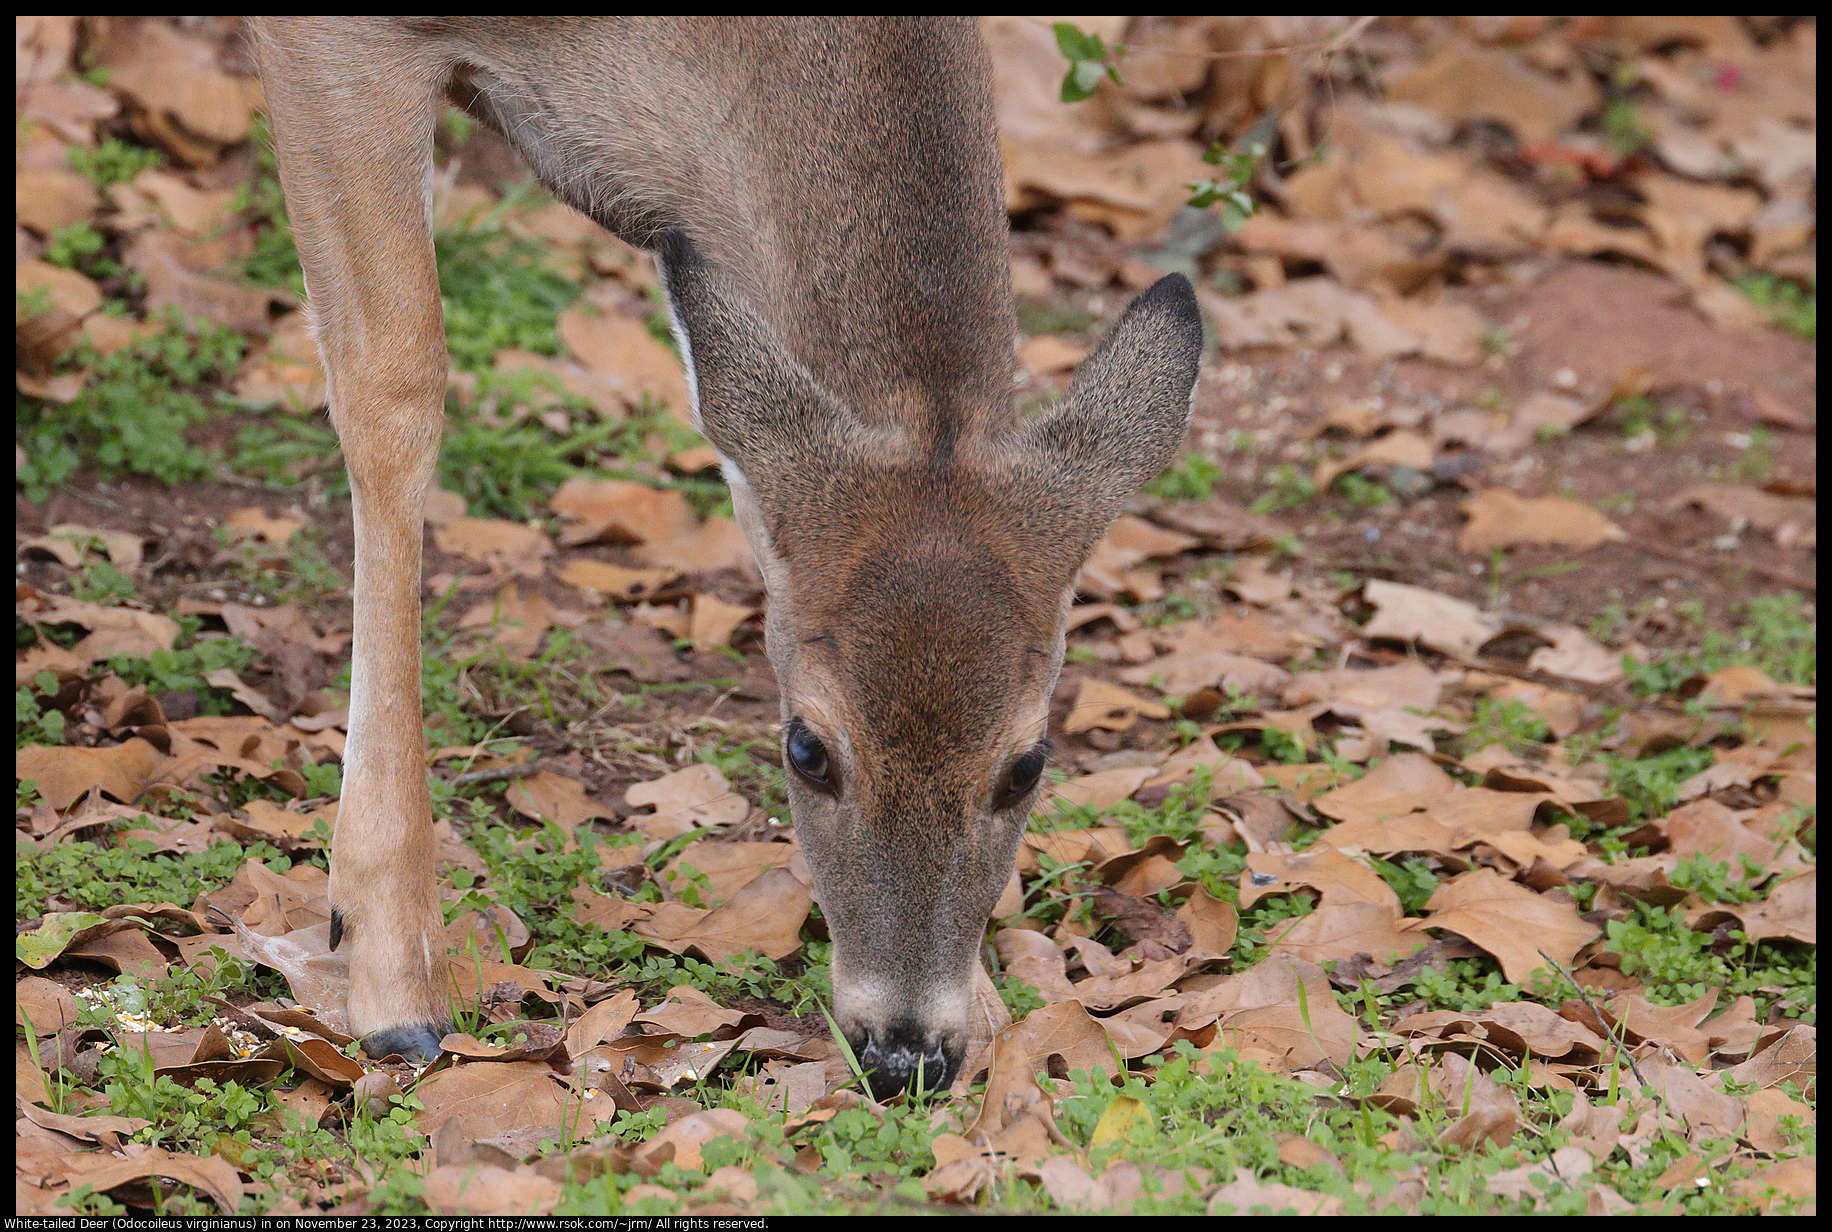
{"x":64,"y":774}
{"x":1516,"y":925}
{"x":1498,"y":519}
{"x":211,"y":1175}
{"x":1412,"y":613}
{"x":765,"y":916}
{"x":1109,"y":707}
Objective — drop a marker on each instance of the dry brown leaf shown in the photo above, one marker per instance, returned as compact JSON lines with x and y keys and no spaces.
{"x":1394,"y":702}
{"x":1682,"y":216}
{"x":1449,"y":332}
{"x":618,"y":511}
{"x":717,"y":544}
{"x":211,"y":1175}
{"x":42,"y":48}
{"x":475,"y":1188}
{"x":555,"y":797}
{"x":1708,"y":828}
{"x":614,"y":581}
{"x":1562,"y":712}
{"x":1336,"y":876}
{"x":725,"y":867}
{"x":1111,"y":569}
{"x":602,"y":1022}
{"x":1398,"y":448}
{"x":71,"y":543}
{"x":1564,"y":1168}
{"x":1360,"y":258}
{"x":63,"y":774}
{"x":1399,"y":785}
{"x":186,"y":102}
{"x":1072,"y":846}
{"x":1522,"y":1028}
{"x":1791,"y":910}
{"x":68,"y":297}
{"x":491,"y":1098}
{"x":1573,"y":230}
{"x":1047,"y":355}
{"x":621,"y":350}
{"x":254,"y":522}
{"x":1062,"y":1033}
{"x":516,"y":623}
{"x":1280,"y":1012}
{"x":1108,"y":707}
{"x":687,"y":1011}
{"x":681,"y":1142}
{"x":1465,"y":82}
{"x":509,"y":547}
{"x":713,"y":621}
{"x":1101,"y":790}
{"x":1196,"y":666}
{"x":1509,"y":921}
{"x":1151,"y":868}
{"x":182,"y":276}
{"x":192,"y":211}
{"x":1792,"y":517}
{"x":1253,"y":580}
{"x":1499,"y":519}
{"x":766,"y":916}
{"x":1337,"y":931}
{"x":45,"y":1004}
{"x":1318,"y":311}
{"x":1133,"y":191}
{"x":698,"y":795}
{"x":47,"y":200}
{"x":1247,"y":1195}
{"x":1227,"y":774}
{"x":1412,"y":613}
{"x":1574,"y":655}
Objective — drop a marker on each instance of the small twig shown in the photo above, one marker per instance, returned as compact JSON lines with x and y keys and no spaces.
{"x":1621,"y":1048}
{"x":1658,"y":1095}
{"x":498,"y":773}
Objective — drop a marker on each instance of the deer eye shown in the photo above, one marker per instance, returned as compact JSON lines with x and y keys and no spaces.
{"x":1022,"y":778}
{"x":808,"y":756}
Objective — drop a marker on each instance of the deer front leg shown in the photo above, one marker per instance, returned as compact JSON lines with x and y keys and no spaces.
{"x":382,"y":884}
{"x":352,"y":108}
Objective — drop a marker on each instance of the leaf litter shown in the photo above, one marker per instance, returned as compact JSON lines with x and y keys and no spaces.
{"x":1132,"y":959}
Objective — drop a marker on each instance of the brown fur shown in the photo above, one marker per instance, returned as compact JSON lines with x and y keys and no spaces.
{"x":825,"y":201}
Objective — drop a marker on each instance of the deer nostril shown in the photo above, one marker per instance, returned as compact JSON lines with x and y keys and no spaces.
{"x":903,"y":1060}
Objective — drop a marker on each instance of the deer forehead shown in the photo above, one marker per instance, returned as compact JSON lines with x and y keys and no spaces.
{"x":932,"y":655}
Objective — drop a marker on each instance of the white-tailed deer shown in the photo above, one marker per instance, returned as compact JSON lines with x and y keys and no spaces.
{"x":824,"y":200}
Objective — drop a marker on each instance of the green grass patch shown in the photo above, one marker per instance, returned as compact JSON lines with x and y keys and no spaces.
{"x":132,"y":416}
{"x":91,"y":875}
{"x":1191,"y":478}
{"x":1795,"y":308}
{"x":112,"y":162}
{"x":1777,"y":633}
{"x":1041,"y":316}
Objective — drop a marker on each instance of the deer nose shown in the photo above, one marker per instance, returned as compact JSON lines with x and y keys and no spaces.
{"x":902,"y":1056}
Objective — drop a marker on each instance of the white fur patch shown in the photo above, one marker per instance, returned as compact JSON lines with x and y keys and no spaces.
{"x":686,"y":345}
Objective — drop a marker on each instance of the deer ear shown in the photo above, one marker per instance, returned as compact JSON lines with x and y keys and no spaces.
{"x":1128,"y":407}
{"x":763,"y":412}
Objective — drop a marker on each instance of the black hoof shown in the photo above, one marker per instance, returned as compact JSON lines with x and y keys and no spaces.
{"x":414,"y":1042}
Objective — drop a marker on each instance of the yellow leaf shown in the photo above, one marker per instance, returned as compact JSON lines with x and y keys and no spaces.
{"x":1117,"y":1122}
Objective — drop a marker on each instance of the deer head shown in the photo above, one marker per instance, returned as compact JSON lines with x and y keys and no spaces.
{"x":918,"y":579}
